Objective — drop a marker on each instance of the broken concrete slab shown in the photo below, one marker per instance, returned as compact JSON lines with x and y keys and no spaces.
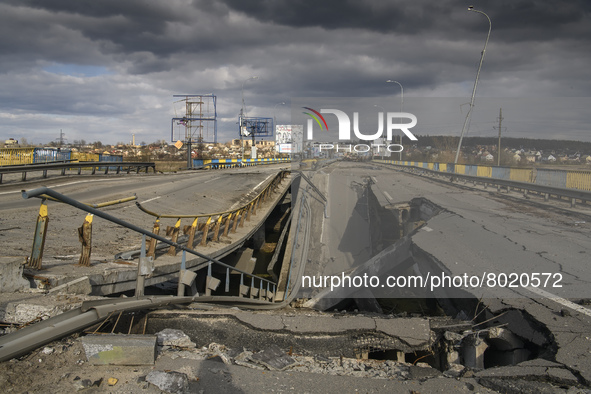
{"x":244,"y":261}
{"x":21,"y":313}
{"x":273,"y":358}
{"x":420,"y":372}
{"x":269,"y":322}
{"x":327,"y":334}
{"x":503,"y":339}
{"x":21,"y":308}
{"x":11,"y":275}
{"x":120,"y":349}
{"x":77,"y":286}
{"x":454,"y":370}
{"x":416,"y":332}
{"x":540,"y":362}
{"x":327,"y":324}
{"x":174,"y":338}
{"x":170,"y":382}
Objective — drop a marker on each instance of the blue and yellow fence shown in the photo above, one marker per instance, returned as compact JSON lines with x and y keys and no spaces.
{"x":22,"y":156}
{"x":566,"y":179}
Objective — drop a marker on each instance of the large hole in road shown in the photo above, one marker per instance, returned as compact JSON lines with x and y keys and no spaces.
{"x":463,"y":330}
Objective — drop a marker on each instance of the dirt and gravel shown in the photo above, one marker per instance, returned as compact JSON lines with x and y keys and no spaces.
{"x":62,"y":367}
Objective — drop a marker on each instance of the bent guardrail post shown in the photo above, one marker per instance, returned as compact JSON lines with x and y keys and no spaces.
{"x":191,"y":232}
{"x":173,"y":232}
{"x":141,"y":279}
{"x":145,"y":268}
{"x":186,"y":279}
{"x":85,"y":238}
{"x":156,"y":230}
{"x":39,"y":237}
{"x":181,"y":286}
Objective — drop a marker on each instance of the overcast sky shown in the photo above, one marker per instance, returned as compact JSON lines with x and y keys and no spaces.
{"x":107,"y":69}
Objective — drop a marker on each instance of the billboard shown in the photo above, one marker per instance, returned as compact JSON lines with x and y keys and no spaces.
{"x":289,"y":138}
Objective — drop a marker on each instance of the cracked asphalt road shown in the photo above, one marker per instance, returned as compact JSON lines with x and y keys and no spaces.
{"x":482,"y":232}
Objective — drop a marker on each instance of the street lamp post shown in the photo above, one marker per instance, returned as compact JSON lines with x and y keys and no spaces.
{"x":242,"y":115}
{"x":385,"y":139}
{"x":471,"y":8}
{"x":275,"y":125}
{"x":401,"y":105}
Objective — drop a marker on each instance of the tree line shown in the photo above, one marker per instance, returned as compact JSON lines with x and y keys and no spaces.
{"x":451,"y":143}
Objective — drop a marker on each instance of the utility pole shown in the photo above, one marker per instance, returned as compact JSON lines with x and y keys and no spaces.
{"x":188,"y":133}
{"x":499,"y":146}
{"x":61,"y":139}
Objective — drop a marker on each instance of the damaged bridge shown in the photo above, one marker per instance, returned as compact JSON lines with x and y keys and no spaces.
{"x":399,"y":244}
{"x":350,"y":260}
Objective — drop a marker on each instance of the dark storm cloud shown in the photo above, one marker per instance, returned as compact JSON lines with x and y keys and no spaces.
{"x":375,"y":15}
{"x":544,"y":17}
{"x":146,"y":51}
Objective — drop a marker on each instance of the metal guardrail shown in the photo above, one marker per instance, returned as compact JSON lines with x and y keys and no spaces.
{"x":251,"y":285}
{"x":547,"y":191}
{"x":84,"y":232}
{"x":33,"y":336}
{"x":221,"y":163}
{"x":105,"y":166}
{"x":228,"y":220}
{"x":566,"y":178}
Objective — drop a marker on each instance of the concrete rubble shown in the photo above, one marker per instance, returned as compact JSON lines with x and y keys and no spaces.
{"x":11,"y":275}
{"x":169,"y":382}
{"x":77,"y":286}
{"x":273,"y":358}
{"x":174,"y":338}
{"x":120,"y":349}
{"x":30,"y":306}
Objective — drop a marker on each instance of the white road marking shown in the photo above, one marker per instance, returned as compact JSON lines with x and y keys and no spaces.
{"x":263,"y":181}
{"x":70,"y":183}
{"x":560,"y":300}
{"x":238,"y":203}
{"x":151,"y":199}
{"x":212,"y":179}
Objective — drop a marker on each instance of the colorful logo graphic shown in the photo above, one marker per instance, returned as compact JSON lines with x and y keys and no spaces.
{"x":316,"y":118}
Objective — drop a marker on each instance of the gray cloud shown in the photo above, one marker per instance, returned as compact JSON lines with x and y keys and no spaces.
{"x":152,"y":50}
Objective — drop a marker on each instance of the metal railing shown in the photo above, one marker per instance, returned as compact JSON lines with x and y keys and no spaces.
{"x":235,"y":163}
{"x":216,"y":223}
{"x":525,"y":187}
{"x":93,"y":166}
{"x":252,"y":286}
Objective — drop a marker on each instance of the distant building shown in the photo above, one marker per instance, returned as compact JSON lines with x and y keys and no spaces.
{"x":517,"y":157}
{"x":530,"y":158}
